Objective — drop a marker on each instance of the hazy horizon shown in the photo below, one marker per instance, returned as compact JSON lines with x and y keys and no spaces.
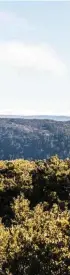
{"x":34,"y":115}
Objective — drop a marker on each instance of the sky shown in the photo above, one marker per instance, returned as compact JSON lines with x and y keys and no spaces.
{"x":35,"y":58}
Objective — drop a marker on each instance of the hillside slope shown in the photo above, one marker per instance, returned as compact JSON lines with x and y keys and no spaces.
{"x":35,"y":217}
{"x":33,"y":139}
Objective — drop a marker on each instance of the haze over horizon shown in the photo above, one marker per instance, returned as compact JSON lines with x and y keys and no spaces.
{"x":35,"y":58}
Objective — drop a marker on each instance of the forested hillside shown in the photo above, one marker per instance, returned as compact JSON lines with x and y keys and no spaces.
{"x":33,"y":139}
{"x":35,"y":217}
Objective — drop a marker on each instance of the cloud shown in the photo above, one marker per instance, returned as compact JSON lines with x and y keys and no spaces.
{"x":39,"y":57}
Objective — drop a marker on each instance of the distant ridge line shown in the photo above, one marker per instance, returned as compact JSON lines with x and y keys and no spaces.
{"x":50,"y":117}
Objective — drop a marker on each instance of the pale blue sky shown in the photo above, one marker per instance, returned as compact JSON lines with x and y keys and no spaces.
{"x":35,"y":57}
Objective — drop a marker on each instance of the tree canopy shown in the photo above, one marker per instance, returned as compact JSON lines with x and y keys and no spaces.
{"x":35,"y":217}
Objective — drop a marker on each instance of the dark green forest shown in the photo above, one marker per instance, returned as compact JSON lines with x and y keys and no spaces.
{"x":34,"y":216}
{"x":33,"y":138}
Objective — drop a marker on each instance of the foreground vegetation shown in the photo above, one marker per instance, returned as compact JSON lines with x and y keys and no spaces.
{"x":33,"y":138}
{"x":35,"y":217}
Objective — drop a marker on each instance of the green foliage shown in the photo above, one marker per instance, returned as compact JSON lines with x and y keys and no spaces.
{"x":35,"y":217}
